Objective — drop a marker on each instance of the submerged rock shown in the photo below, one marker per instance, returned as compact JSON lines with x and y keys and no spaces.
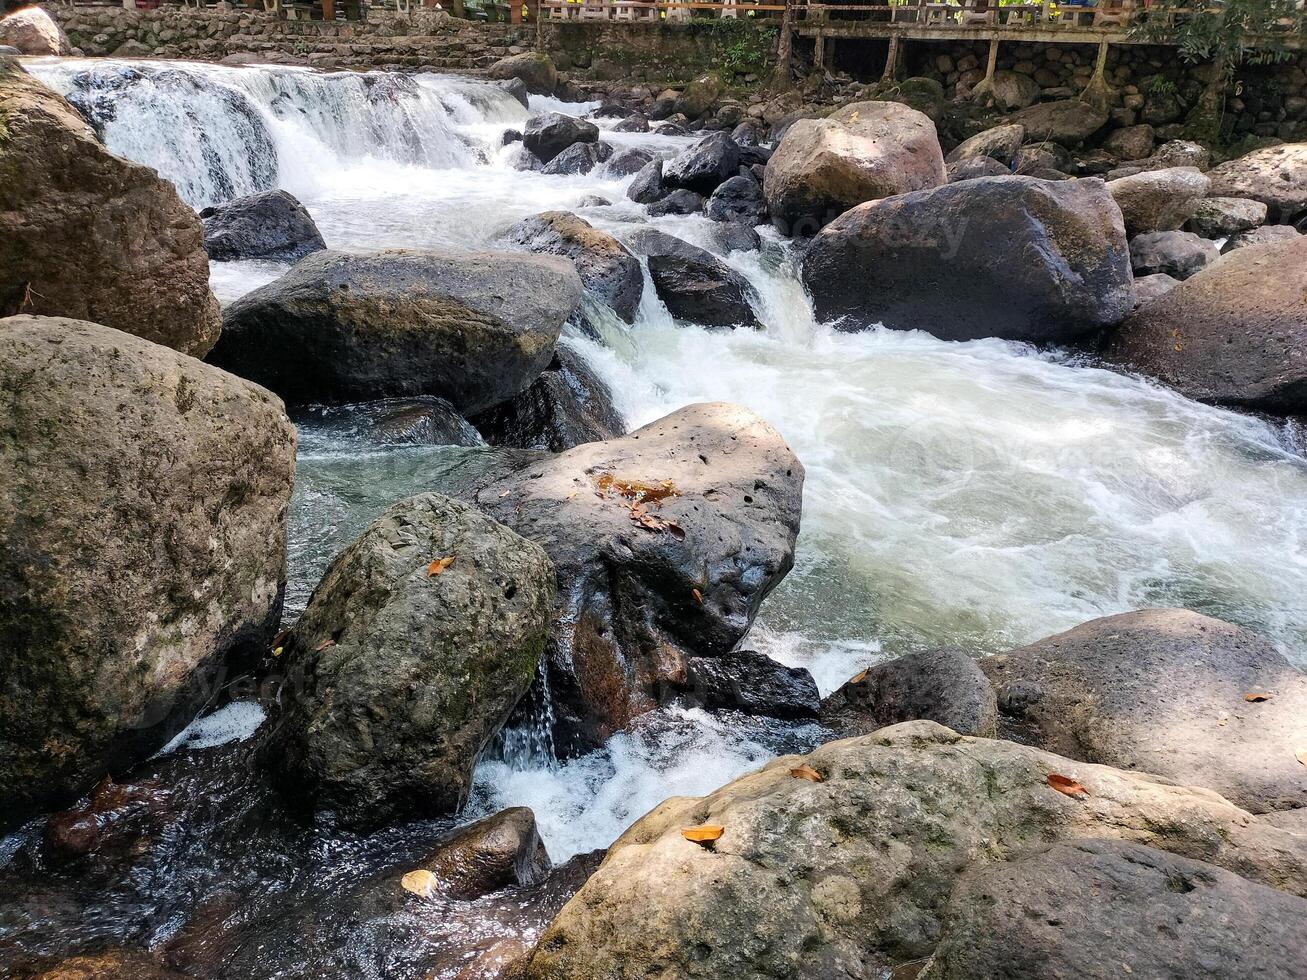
{"x":944,"y":685}
{"x":550,"y":133}
{"x":1158,"y":200}
{"x":114,"y":964}
{"x":1105,"y":909}
{"x":423,"y":421}
{"x":1236,"y":333}
{"x":1164,"y":691}
{"x":609,"y":272}
{"x":475,"y":328}
{"x":267,"y":225}
{"x":865,"y":151}
{"x":623,"y":163}
{"x":695,"y":284}
{"x":566,"y":406}
{"x":498,"y":852}
{"x":143,"y":500}
{"x":665,"y":541}
{"x":415,"y":647}
{"x":680,"y":201}
{"x":850,"y":876}
{"x":1010,"y":257}
{"x":89,"y":235}
{"x":750,"y":682}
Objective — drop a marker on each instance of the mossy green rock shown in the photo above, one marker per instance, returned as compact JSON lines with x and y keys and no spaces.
{"x":401,"y":671}
{"x":143,"y":501}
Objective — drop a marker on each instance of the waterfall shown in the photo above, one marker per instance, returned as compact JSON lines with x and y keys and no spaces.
{"x":219,"y":132}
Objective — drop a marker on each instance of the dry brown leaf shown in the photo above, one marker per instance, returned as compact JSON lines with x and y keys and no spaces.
{"x":1256,"y":697}
{"x":323,"y":645}
{"x":698,"y":596}
{"x":703,"y":834}
{"x":1067,"y":785}
{"x":858,"y":678}
{"x":806,"y":771}
{"x":440,"y":564}
{"x":420,"y":882}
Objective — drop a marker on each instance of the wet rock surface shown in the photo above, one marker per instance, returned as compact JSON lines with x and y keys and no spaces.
{"x":753,"y":683}
{"x":695,"y":284}
{"x":475,"y":328}
{"x":268,"y":225}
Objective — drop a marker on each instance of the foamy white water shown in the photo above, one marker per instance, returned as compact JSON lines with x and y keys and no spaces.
{"x":983,"y":493}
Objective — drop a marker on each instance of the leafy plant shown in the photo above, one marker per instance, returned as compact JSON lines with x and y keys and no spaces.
{"x":745,"y":48}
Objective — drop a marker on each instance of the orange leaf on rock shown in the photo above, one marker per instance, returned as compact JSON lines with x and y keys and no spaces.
{"x":698,"y":596}
{"x":703,"y":834}
{"x":1255,"y":697}
{"x":1067,"y":785}
{"x":806,"y":771}
{"x":439,"y":565}
{"x":420,"y":882}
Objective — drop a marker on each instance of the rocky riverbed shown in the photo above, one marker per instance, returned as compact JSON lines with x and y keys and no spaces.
{"x":581,"y":545}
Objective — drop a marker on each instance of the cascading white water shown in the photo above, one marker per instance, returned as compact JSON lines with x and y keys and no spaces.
{"x":983,"y":493}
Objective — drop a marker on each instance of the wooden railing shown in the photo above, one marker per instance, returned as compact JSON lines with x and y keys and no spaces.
{"x":655,"y":11}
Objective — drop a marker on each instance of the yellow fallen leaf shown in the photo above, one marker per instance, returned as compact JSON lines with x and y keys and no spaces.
{"x":1301,"y":756}
{"x":806,"y":771}
{"x":703,"y":834}
{"x":858,"y":678}
{"x":277,"y":652}
{"x":1256,"y":697}
{"x":439,"y":565}
{"x":420,"y":882}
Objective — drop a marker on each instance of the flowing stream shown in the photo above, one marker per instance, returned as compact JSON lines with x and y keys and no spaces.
{"x":982,"y":494}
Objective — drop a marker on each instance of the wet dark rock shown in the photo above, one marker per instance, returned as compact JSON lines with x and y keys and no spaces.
{"x":145,"y":549}
{"x":550,"y":133}
{"x":695,"y":284}
{"x":500,"y":851}
{"x":746,"y":134}
{"x":579,"y":158}
{"x":608,"y":270}
{"x":704,"y":166}
{"x":627,"y":615}
{"x":518,"y":89}
{"x":736,"y":236}
{"x":670,"y":129}
{"x":267,"y":225}
{"x":423,"y":421}
{"x":738,"y":199}
{"x":1010,"y":257}
{"x":409,"y":670}
{"x":520,"y":158}
{"x":1163,"y":691}
{"x":1178,"y":254}
{"x":511,"y":136}
{"x":943,"y":685}
{"x":593,"y":201}
{"x":1107,"y":908}
{"x":566,"y":406}
{"x":475,"y":328}
{"x":677,"y":202}
{"x":648,"y":186}
{"x":753,"y":683}
{"x":635,"y":123}
{"x":626,"y":162}
{"x":117,"y":821}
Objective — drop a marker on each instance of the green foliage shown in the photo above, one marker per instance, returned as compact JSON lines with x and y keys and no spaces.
{"x":1158,"y":85}
{"x":1228,"y":34}
{"x":745,"y":48}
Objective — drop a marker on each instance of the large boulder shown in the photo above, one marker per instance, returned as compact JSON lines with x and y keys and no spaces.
{"x":1178,"y":254}
{"x":1099,"y":910}
{"x":609,"y":272}
{"x":1274,"y":175}
{"x":535,"y":70}
{"x":1236,"y":333}
{"x":1010,"y":257}
{"x":550,"y":133}
{"x":1009,"y":91}
{"x":698,"y":97}
{"x":738,"y":199}
{"x":267,"y":225}
{"x":647,"y":185}
{"x":475,"y":328}
{"x":695,"y":284}
{"x":863,"y":152}
{"x":33,"y":31}
{"x":1069,"y":122}
{"x":1164,"y":691}
{"x":86,"y":234}
{"x":564,"y":407}
{"x":665,"y":541}
{"x":579,"y":158}
{"x":417,"y":643}
{"x":702,"y":167}
{"x":1131,"y":142}
{"x":1158,"y":200}
{"x":1002,"y":143}
{"x":849,"y":876}
{"x":1220,"y":217}
{"x":143,"y":500}
{"x":752,"y":683}
{"x":501,"y":851}
{"x":944,"y":685}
